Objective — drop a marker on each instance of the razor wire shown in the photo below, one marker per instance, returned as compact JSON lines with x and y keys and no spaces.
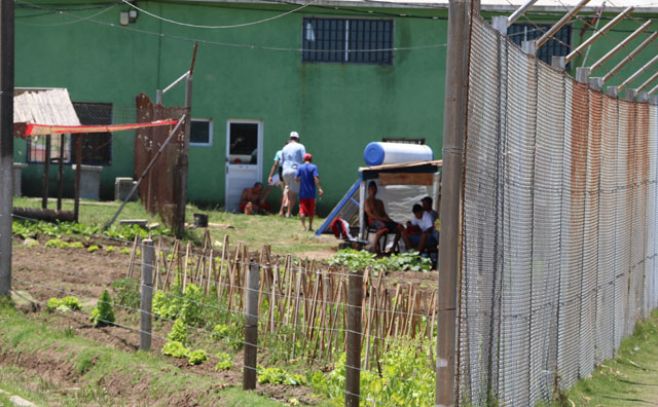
{"x":559,"y":225}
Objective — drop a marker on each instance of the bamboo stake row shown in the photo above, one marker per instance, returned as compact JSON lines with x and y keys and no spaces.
{"x":307,"y":298}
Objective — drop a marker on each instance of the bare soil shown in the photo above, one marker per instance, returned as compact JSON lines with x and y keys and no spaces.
{"x":49,"y":272}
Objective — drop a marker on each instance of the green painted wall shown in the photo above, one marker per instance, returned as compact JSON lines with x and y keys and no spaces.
{"x":254,"y":72}
{"x":337,"y":108}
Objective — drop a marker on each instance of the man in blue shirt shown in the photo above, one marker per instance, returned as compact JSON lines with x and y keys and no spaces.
{"x":292,"y":157}
{"x":308,"y":178}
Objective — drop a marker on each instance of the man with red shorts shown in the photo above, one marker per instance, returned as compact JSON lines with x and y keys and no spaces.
{"x":309,"y":179}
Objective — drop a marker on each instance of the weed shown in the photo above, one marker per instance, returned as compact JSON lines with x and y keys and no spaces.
{"x":126,"y":292}
{"x":103,"y":314}
{"x":93,"y":248}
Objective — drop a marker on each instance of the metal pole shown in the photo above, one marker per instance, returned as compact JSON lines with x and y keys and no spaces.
{"x":6,"y":141}
{"x":46,"y":174}
{"x":148,"y":260}
{"x":648,"y":82}
{"x":251,"y":327}
{"x":60,"y":174}
{"x":598,"y":34}
{"x":565,"y":19}
{"x":158,"y":96}
{"x":519,"y":12}
{"x":183,"y":157}
{"x":78,"y":172}
{"x":454,"y":129}
{"x":353,"y":336}
{"x":620,"y":46}
{"x":652,"y":91}
{"x":639,"y":72}
{"x":630,"y":56}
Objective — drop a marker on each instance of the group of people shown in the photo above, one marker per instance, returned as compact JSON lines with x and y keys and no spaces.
{"x":419,"y":233}
{"x":294,"y":171}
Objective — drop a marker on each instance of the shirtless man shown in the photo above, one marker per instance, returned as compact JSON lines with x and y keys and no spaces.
{"x":253,"y":200}
{"x":378,"y":219}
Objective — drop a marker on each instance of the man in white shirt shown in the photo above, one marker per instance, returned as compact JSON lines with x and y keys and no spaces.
{"x":420,"y":230}
{"x":292,"y":156}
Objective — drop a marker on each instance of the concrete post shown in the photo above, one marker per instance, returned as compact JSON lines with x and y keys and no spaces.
{"x":251,"y":327}
{"x":499,"y":23}
{"x":148,"y":261}
{"x":6,"y":141}
{"x":582,"y":74}
{"x":454,"y":130}
{"x":353,"y":337}
{"x":529,"y":47}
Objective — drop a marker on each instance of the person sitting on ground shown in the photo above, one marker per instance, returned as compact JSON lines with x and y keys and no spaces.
{"x":427,"y":207}
{"x":419,"y":234}
{"x":378,"y":219}
{"x":253,"y":200}
{"x":308,"y":178}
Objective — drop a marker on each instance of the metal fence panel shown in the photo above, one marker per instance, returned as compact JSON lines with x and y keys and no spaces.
{"x":559,"y":226}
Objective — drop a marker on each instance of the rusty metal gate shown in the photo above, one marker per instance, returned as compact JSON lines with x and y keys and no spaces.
{"x":160,"y":191}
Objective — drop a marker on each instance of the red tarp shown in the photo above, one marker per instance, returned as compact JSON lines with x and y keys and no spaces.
{"x":33,"y":130}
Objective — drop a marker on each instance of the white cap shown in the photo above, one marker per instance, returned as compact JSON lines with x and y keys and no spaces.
{"x":294,"y":134}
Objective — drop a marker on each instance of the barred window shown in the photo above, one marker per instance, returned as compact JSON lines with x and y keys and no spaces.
{"x":559,"y":45}
{"x":359,"y":41}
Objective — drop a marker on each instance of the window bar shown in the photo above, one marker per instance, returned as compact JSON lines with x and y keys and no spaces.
{"x":347,"y":41}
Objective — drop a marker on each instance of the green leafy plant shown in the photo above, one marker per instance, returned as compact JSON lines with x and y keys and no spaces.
{"x":225,"y":362}
{"x":110,"y":249}
{"x":406,"y":379}
{"x":65,"y":304}
{"x":409,"y":261}
{"x":172,"y":305}
{"x":175,"y":350}
{"x":197,"y":357}
{"x":354,"y":260}
{"x":93,"y":248}
{"x":103,"y":314}
{"x":276,"y":375}
{"x":231,"y":334}
{"x":178,"y":332}
{"x":126,"y":292}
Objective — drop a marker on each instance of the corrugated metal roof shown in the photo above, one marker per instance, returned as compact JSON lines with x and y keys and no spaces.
{"x":44,"y":106}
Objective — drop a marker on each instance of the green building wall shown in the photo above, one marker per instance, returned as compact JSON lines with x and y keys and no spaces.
{"x":255,"y":72}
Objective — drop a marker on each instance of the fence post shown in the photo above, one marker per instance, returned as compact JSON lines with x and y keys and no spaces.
{"x":148,"y":261}
{"x":251,"y":327}
{"x":353,"y":339}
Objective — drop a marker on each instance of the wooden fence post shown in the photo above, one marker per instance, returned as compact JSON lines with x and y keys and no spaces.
{"x":148,"y":260}
{"x":251,"y":327}
{"x":353,"y":339}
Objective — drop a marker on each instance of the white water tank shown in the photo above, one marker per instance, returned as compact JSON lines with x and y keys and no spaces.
{"x":377,"y":153}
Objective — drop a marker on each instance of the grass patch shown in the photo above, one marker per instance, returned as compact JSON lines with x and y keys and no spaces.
{"x":285,"y":235}
{"x":629,"y":379}
{"x":103,"y":375}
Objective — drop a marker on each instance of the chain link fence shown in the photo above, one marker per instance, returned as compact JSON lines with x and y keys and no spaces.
{"x":559,"y":226}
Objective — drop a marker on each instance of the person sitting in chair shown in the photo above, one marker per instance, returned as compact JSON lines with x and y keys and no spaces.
{"x":378,"y":219}
{"x":253,"y":200}
{"x":419,"y":234}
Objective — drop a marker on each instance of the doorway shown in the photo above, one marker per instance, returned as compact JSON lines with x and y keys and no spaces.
{"x":244,"y":142}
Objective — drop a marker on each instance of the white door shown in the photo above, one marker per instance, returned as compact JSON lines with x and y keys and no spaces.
{"x":244,"y":141}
